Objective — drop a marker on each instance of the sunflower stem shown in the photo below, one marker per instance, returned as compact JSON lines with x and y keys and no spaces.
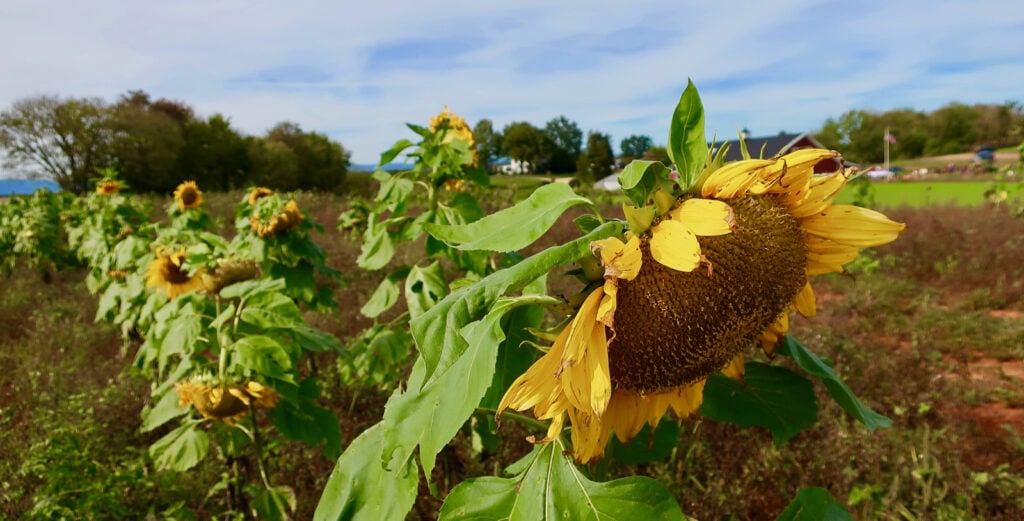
{"x":257,"y":445}
{"x":525,"y":420}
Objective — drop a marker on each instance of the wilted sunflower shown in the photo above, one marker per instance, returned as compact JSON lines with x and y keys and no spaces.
{"x":166,"y":273}
{"x":456,"y":125}
{"x":229,"y":403}
{"x":188,"y":195}
{"x":675,"y":309}
{"x":258,"y":193}
{"x":228,"y":272}
{"x":287,"y":219}
{"x":108,"y":187}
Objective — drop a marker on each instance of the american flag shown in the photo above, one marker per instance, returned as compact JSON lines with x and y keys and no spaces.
{"x":889,"y":137}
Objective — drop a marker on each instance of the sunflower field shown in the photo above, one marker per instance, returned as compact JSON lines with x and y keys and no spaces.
{"x":717,"y":341}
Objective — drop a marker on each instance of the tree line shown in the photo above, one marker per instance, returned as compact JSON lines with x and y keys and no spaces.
{"x":155,"y":144}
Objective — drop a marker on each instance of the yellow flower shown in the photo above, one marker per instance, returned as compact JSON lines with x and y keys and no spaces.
{"x":228,"y":403}
{"x":287,"y":219}
{"x":258,"y":193}
{"x":108,"y":187}
{"x":167,"y":274}
{"x":188,"y":195}
{"x":456,"y":125}
{"x":647,"y":339}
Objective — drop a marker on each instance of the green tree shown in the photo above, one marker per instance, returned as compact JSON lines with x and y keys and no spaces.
{"x":567,"y":140}
{"x":524,"y":142}
{"x":214,"y":154}
{"x":952,"y":130}
{"x":635,"y":146}
{"x":488,"y":142}
{"x":289,"y":159}
{"x":658,"y":153}
{"x":147,"y":139}
{"x":598,"y":160}
{"x":63,"y":139}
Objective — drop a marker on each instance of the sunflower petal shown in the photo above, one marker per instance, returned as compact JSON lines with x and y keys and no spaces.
{"x":770,"y":337}
{"x":853,"y":225}
{"x":620,"y":260}
{"x":735,"y":369}
{"x":805,"y":302}
{"x":734,"y":178}
{"x":820,"y":192}
{"x":583,"y":371}
{"x":686,"y":400}
{"x":705,"y":217}
{"x":675,"y":246}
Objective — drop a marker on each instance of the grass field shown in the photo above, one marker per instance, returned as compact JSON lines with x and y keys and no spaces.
{"x":924,"y":193}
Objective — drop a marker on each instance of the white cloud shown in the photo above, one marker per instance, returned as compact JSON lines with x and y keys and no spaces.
{"x":611,"y":66}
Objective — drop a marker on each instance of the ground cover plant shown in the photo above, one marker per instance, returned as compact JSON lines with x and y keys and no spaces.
{"x":925,"y":331}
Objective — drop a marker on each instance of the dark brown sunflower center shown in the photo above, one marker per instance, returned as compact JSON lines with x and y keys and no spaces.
{"x":674,"y":328}
{"x":189,"y":197}
{"x":175,"y":274}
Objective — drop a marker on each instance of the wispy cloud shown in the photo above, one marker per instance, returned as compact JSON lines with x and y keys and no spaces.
{"x":359,"y":73}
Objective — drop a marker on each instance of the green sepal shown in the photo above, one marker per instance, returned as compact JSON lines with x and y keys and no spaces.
{"x":639,"y":218}
{"x":641,"y":178}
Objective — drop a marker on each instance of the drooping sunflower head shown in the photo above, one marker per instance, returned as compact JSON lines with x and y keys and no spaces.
{"x":188,"y":195}
{"x":108,"y":187}
{"x":272,"y":216}
{"x":258,"y":193}
{"x":700,"y":277}
{"x":170,"y":276}
{"x":226,"y":402}
{"x":455,"y":125}
{"x":228,"y":272}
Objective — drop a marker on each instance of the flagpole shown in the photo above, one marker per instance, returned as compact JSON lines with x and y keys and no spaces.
{"x":885,"y":138}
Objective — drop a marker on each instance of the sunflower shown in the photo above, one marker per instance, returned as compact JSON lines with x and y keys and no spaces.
{"x":455,"y":124}
{"x":690,"y":286}
{"x":258,"y":193}
{"x":286,"y":220}
{"x":167,"y":274}
{"x":229,"y":403}
{"x":108,"y":187}
{"x":188,"y":195}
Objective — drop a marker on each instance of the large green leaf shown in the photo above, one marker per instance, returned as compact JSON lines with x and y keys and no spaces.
{"x":647,"y":446}
{"x":814,"y":504}
{"x":268,"y":310}
{"x":424,"y":287}
{"x":361,"y":488}
{"x":378,"y":246}
{"x":304,"y":420}
{"x":687,"y":144}
{"x":429,"y":414}
{"x":515,"y":227}
{"x":181,"y":449}
{"x":769,"y":396}
{"x":386,"y":294}
{"x":263,"y":355}
{"x":437,"y":331}
{"x":842,"y":394}
{"x":552,"y":488}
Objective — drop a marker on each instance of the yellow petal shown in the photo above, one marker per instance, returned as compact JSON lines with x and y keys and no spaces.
{"x":687,"y":399}
{"x":795,"y":183}
{"x":706,"y":217}
{"x":623,"y":415}
{"x":805,"y":302}
{"x":735,"y":368}
{"x":820,"y":192}
{"x":583,"y":373}
{"x":734,"y":178}
{"x":853,"y":225}
{"x":609,"y":303}
{"x":589,"y":436}
{"x":620,"y":260}
{"x":770,"y":337}
{"x":675,"y":246}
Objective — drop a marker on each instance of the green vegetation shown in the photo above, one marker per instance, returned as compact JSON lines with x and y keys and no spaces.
{"x":923,"y":193}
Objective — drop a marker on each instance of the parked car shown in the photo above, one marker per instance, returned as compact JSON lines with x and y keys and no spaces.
{"x":984,"y":154}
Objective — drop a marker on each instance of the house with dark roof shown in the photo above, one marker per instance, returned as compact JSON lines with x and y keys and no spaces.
{"x":779,"y":144}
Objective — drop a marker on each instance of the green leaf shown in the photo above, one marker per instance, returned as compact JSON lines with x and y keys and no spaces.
{"x":181,"y":449}
{"x":386,"y":294}
{"x":513,"y":228}
{"x":842,"y":394}
{"x":275,"y":503}
{"x":428,"y":414}
{"x":647,"y":446}
{"x":552,"y":488}
{"x":424,"y":287}
{"x":263,"y":355}
{"x":814,"y":504}
{"x":248,"y":287}
{"x":312,"y":339}
{"x":641,"y":178}
{"x":769,"y":396}
{"x":361,"y":488}
{"x":306,"y":421}
{"x":165,"y":409}
{"x":587,"y":222}
{"x":390,"y":154}
{"x":268,"y":310}
{"x":687,"y":144}
{"x":378,"y":246}
{"x":436,"y":331}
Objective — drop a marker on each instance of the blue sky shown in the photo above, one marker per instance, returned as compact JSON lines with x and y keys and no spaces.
{"x":358,"y":71}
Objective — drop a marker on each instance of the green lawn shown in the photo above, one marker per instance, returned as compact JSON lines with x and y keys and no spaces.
{"x":922,"y":193}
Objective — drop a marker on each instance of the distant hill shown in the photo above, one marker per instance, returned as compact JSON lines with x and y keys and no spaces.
{"x":26,"y":186}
